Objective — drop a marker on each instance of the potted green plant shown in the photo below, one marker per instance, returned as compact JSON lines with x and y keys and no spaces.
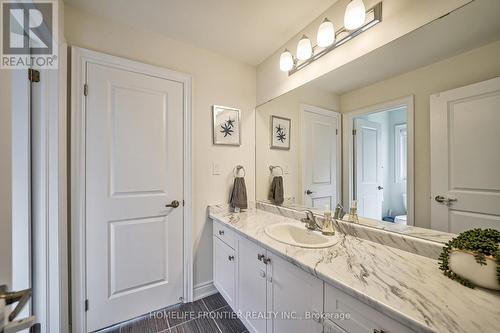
{"x":473,"y":258}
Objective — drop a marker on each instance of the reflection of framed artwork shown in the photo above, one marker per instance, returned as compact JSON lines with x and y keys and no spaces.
{"x":226,"y":126}
{"x":280,"y":132}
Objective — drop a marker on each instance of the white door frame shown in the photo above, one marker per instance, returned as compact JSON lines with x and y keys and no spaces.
{"x":328,"y":113}
{"x":79,"y":59}
{"x":348,"y":118}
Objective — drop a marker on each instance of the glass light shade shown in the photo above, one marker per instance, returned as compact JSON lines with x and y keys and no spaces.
{"x":326,"y":34}
{"x":355,"y":15}
{"x":304,"y":48}
{"x":286,"y":61}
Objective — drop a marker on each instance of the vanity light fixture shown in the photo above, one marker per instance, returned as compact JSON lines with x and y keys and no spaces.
{"x":357,"y":20}
{"x":355,"y":15}
{"x":286,"y":61}
{"x":304,"y":48}
{"x":326,"y":34}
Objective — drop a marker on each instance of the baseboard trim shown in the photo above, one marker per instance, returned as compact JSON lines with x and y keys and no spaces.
{"x":204,"y":289}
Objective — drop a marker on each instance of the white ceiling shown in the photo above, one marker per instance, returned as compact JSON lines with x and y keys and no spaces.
{"x":247,"y":30}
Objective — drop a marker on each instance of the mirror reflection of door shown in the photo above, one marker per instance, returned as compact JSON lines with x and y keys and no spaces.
{"x":465,"y":158}
{"x":320,"y":152}
{"x":368,"y":168}
{"x":380,"y":164}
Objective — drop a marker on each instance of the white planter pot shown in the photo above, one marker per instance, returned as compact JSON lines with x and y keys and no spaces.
{"x":465,"y":265}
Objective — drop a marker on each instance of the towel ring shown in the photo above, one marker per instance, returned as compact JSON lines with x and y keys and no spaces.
{"x":237,"y":169}
{"x":272,"y":167}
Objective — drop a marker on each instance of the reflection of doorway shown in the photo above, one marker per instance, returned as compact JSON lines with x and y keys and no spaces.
{"x":380,"y":155}
{"x":465,"y":158}
{"x":320,"y":153}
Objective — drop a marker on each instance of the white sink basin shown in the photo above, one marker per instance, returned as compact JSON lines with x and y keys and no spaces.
{"x":297,"y":235}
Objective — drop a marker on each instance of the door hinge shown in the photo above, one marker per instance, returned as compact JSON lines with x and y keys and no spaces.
{"x":85,"y":89}
{"x":353,"y":132}
{"x":86,"y":305}
{"x":33,"y":75}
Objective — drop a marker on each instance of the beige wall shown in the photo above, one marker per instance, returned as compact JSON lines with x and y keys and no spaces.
{"x":287,"y":106}
{"x":399,"y":18}
{"x":473,"y":66}
{"x":216,"y":80}
{"x":5,"y":179}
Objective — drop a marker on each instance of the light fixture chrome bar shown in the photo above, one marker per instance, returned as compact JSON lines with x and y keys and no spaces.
{"x":375,"y":12}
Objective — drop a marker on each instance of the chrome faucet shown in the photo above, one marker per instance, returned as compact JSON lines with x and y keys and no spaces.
{"x":310,"y":221}
{"x":339,"y":212}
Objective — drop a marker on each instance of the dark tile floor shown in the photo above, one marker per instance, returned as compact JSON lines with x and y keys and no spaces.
{"x":208,"y":315}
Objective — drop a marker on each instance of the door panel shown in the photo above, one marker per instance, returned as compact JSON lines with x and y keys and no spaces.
{"x":134,"y":168}
{"x":319,"y":158}
{"x":129,"y":272}
{"x":135,"y":139}
{"x":368,"y":167}
{"x":251,"y":284}
{"x":225,"y":270}
{"x":465,"y":158}
{"x":295,"y":295}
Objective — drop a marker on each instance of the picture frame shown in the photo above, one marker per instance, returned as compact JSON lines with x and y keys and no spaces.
{"x":280,"y":132}
{"x":226,"y":126}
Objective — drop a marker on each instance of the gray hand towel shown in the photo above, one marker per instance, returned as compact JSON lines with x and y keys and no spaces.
{"x":239,"y":194}
{"x":276,"y":194}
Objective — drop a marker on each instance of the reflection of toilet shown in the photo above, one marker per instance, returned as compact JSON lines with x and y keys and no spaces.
{"x":401,"y":219}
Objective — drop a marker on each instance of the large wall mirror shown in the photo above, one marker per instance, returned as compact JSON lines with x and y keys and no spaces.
{"x":367,"y":131}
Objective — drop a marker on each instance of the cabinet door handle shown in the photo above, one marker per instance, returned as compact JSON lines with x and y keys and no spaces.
{"x":266,"y":261}
{"x":378,"y":331}
{"x":260,"y":257}
{"x":231,"y":258}
{"x":221,"y":232}
{"x":262,"y":273}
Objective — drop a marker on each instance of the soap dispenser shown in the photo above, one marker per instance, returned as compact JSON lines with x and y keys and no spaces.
{"x":353,"y":212}
{"x":327,"y":229}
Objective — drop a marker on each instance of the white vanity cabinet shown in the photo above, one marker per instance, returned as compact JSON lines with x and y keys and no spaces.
{"x":273,"y":294}
{"x":225,"y":263}
{"x":361,"y":317}
{"x":252,"y":284}
{"x":295,"y":296}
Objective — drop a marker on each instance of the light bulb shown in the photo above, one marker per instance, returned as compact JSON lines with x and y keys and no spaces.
{"x":326,"y":34}
{"x":355,"y":15}
{"x":286,"y":61}
{"x":304,"y":48}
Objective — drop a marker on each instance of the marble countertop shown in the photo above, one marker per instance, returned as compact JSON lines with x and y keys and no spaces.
{"x":407,"y":287}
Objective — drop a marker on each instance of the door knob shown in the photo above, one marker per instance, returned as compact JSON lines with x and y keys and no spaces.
{"x":173,"y":204}
{"x":309,"y":192}
{"x":444,"y":200}
{"x":380,"y":187}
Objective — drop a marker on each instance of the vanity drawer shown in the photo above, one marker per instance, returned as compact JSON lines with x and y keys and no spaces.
{"x":362,"y":318}
{"x":224,"y":234}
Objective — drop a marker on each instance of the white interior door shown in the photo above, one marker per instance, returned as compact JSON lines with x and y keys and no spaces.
{"x":465,"y":157}
{"x":368,"y":168}
{"x":134,"y":151}
{"x":320,"y":157}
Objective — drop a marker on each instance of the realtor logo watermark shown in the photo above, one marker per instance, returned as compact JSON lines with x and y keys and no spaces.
{"x":29,"y":34}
